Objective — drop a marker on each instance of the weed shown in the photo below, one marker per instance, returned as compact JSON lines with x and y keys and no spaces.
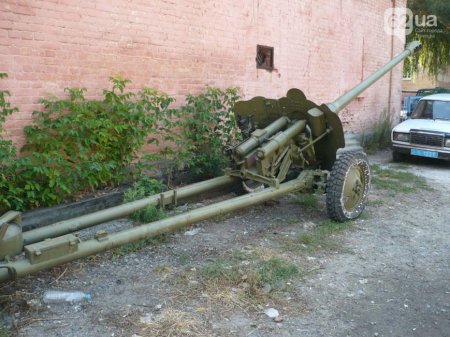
{"x":379,"y":136}
{"x":329,"y":226}
{"x":148,"y":214}
{"x":275,"y":271}
{"x":319,"y":238}
{"x":221,"y":217}
{"x":375,"y":202}
{"x":243,"y":279}
{"x":136,"y":246}
{"x":364,"y":216}
{"x":307,"y":199}
{"x":184,"y":258}
{"x":291,"y":220}
{"x":4,"y":332}
{"x":264,"y":254}
{"x":221,"y":270}
{"x":143,"y":188}
{"x":400,"y":166}
{"x":241,"y":255}
{"x":163,"y":271}
{"x":397,"y":181}
{"x":271,"y":271}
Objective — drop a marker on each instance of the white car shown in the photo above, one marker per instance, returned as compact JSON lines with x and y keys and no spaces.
{"x":427,"y":132}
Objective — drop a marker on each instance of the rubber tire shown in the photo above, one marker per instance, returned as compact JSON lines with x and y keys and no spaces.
{"x":336,"y":182}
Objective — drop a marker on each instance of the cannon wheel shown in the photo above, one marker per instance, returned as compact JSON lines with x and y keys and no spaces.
{"x":348,"y":186}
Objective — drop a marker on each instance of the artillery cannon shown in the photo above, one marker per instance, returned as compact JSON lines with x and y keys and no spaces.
{"x":291,"y":145}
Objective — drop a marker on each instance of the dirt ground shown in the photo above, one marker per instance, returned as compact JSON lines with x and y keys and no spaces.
{"x":385,"y":274}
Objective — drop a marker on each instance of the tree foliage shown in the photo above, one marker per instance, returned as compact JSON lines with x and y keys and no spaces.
{"x":435,"y":54}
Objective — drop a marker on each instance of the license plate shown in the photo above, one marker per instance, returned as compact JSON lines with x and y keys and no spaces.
{"x":424,"y":153}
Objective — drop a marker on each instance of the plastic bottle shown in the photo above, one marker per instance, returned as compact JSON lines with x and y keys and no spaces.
{"x":55,"y":296}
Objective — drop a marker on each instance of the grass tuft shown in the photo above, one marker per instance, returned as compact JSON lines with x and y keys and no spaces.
{"x":245,"y":279}
{"x":230,"y":273}
{"x":307,"y":199}
{"x":4,"y":332}
{"x":275,"y":271}
{"x":319,"y":238}
{"x":397,"y":181}
{"x":221,"y":270}
{"x":379,"y":136}
{"x":174,"y":323}
{"x":142,"y":188}
{"x":148,"y":214}
{"x":375,"y":202}
{"x":136,"y":246}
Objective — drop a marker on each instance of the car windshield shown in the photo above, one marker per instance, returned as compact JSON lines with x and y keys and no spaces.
{"x":428,"y":109}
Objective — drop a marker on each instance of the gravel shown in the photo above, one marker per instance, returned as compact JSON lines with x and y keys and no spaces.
{"x":387,"y":277}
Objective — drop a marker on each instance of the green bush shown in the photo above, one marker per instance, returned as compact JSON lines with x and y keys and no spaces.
{"x":75,"y":145}
{"x":9,"y":192}
{"x":208,"y":125}
{"x":142,"y":188}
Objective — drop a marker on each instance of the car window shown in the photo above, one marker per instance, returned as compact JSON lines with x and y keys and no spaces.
{"x":423,"y":110}
{"x":441,"y":110}
{"x":427,"y":109}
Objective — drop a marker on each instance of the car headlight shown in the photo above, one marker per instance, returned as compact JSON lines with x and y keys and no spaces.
{"x":447,"y":142}
{"x":401,"y":137}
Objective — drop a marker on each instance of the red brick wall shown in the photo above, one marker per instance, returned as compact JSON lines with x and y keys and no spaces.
{"x":322,"y":47}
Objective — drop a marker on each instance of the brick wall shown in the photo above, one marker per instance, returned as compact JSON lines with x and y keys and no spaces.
{"x":322,"y":47}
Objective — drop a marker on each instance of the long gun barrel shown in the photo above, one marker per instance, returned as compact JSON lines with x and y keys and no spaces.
{"x":345,"y":99}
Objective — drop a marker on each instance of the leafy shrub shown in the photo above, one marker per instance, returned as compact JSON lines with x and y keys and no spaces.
{"x":145,"y":187}
{"x":9,"y":192}
{"x":77,"y":144}
{"x":208,"y":125}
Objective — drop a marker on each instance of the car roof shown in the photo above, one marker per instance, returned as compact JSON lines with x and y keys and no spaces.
{"x":437,"y":97}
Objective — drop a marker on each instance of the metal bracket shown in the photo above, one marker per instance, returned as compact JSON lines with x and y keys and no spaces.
{"x":52,"y":248}
{"x":162,"y":200}
{"x":247,"y":174}
{"x":101,"y":236}
{"x":165,"y":200}
{"x":3,"y":229}
{"x":8,"y":217}
{"x":12,"y":272}
{"x":175,"y":198}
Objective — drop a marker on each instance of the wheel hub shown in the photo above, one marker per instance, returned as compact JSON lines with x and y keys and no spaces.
{"x":353,"y":187}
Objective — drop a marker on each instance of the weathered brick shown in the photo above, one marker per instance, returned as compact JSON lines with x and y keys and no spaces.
{"x":322,"y":47}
